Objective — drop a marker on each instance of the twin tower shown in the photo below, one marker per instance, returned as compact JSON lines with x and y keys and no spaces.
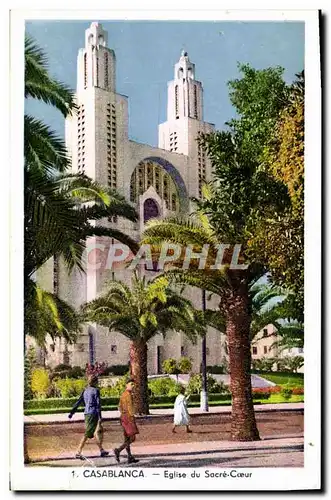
{"x":158,"y":181}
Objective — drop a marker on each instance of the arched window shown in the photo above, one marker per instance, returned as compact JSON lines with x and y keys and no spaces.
{"x":150,"y":173}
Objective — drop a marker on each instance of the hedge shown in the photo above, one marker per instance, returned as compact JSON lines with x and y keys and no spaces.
{"x":54,"y":405}
{"x":34,"y":404}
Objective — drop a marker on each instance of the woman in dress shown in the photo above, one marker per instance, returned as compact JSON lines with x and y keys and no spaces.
{"x":181,"y":415}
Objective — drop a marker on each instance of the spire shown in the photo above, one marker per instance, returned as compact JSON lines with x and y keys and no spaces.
{"x":184,"y":68}
{"x":96,"y":62}
{"x":184,"y":92}
{"x":95,"y":35}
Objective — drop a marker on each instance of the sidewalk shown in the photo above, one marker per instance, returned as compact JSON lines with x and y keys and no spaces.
{"x":57,"y":418}
{"x":271,"y":451}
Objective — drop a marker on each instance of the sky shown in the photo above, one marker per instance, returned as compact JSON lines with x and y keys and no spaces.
{"x":146,"y":52}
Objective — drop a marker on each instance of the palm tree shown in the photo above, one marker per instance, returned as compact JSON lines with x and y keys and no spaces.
{"x":232,"y":287}
{"x":140,"y":312}
{"x":60,"y":208}
{"x":265,"y":311}
{"x":226,"y":215}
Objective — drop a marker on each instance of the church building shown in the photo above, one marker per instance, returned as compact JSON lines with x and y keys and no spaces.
{"x":158,"y":181}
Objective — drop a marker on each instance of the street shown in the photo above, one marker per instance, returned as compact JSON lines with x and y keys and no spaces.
{"x":208,"y":445}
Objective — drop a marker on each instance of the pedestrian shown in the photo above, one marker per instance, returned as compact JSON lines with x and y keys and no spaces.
{"x":90,"y":397}
{"x":128,"y":422}
{"x":181,"y":414}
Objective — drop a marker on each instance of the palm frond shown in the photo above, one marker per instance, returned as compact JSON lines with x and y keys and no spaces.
{"x":46,"y":314}
{"x":38,"y":83}
{"x":43,"y":149}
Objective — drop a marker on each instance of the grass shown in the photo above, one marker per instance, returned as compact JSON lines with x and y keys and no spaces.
{"x":288,"y":379}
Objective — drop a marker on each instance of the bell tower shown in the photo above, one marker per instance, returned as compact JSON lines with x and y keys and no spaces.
{"x":184,"y":92}
{"x":96,"y":64}
{"x":185,"y":121}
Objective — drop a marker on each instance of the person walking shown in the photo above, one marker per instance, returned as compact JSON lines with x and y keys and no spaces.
{"x":181,"y":414}
{"x":128,"y":422}
{"x":90,"y":397}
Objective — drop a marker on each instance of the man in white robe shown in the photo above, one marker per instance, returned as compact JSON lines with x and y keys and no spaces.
{"x":181,"y":415}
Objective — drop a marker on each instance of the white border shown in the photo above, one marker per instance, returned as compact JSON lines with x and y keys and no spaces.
{"x":277,"y":479}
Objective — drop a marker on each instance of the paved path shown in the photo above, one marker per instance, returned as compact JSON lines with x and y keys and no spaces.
{"x":257,"y":381}
{"x":280,"y":451}
{"x":114,"y":415}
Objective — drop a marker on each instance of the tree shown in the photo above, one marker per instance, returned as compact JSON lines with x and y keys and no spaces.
{"x":139,"y":313}
{"x":294,"y":363}
{"x":223,"y":216}
{"x":59,"y":207}
{"x":281,"y":313}
{"x":241,"y":194}
{"x":278,"y":143}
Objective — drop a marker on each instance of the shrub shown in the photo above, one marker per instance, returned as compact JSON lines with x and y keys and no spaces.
{"x":60,"y":374}
{"x":61,"y":367}
{"x":282,"y":365}
{"x":170,"y":367}
{"x":116,"y":370}
{"x":263,"y":364}
{"x":69,"y":388}
{"x":195,"y":385}
{"x":107,"y":392}
{"x":40,"y":382}
{"x":286,"y":392}
{"x":120,"y":385}
{"x":76,"y":372}
{"x":184,"y":365}
{"x":29,"y":365}
{"x":261,"y":394}
{"x":163,"y":387}
{"x":53,"y":391}
{"x":217,"y":369}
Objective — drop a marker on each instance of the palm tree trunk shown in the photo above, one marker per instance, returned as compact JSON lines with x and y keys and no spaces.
{"x":138,"y":364}
{"x":243,"y":423}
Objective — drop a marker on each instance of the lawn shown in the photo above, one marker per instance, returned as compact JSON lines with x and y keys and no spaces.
{"x":288,"y":379}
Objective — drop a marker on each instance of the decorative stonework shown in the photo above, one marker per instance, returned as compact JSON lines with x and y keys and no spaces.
{"x":150,"y":174}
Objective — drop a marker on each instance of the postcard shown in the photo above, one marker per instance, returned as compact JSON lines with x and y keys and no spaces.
{"x":166,"y":289}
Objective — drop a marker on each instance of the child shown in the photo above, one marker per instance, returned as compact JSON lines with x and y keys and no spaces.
{"x":93,"y":428}
{"x":181,"y":415}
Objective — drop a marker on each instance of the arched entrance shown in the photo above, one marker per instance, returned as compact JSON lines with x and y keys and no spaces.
{"x":151,"y":209}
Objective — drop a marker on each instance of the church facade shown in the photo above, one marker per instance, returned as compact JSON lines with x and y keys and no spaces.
{"x":158,"y":181}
